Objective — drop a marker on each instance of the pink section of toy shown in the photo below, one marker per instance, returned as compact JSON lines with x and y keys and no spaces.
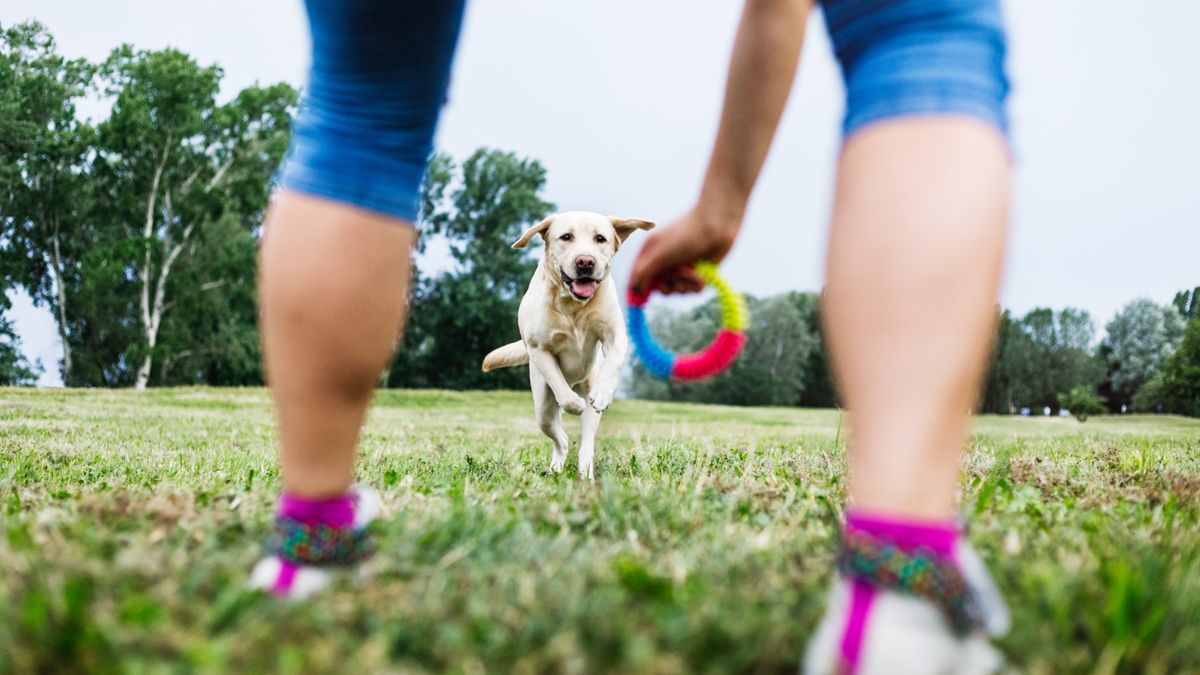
{"x":717,"y":357}
{"x":638,"y":299}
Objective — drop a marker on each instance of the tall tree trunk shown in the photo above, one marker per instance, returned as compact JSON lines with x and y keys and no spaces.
{"x":153,"y":309}
{"x":143,"y":373}
{"x":158,"y":306}
{"x":149,"y":328}
{"x":61,"y":292}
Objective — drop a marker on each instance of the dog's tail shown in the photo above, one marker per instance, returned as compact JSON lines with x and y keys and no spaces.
{"x":513,"y":354}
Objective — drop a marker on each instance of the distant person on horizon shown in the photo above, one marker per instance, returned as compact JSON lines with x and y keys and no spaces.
{"x":915,"y":252}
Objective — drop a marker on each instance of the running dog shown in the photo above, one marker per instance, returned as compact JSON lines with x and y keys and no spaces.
{"x":572,"y":329}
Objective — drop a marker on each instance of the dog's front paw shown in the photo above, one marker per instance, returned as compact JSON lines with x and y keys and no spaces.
{"x":574,"y":406}
{"x":601,"y":399}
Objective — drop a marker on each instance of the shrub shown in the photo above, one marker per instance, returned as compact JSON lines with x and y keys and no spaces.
{"x":1176,"y":387}
{"x":1082,"y":401}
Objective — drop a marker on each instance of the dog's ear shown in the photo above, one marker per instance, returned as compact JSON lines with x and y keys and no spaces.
{"x":540,"y":228}
{"x":626,"y":226}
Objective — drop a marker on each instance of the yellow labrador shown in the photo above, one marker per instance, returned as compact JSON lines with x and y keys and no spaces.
{"x":572,"y":330}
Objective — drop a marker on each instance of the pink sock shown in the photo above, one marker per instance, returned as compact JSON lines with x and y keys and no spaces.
{"x":939,"y":537}
{"x":334,"y":511}
{"x":908,"y":534}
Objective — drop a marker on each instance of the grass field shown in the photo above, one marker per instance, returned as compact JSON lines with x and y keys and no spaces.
{"x":130,"y":521}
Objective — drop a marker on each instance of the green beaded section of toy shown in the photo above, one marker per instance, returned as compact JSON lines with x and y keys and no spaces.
{"x":734,"y":314}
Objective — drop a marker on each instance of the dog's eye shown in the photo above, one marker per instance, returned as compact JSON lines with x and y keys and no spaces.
{"x":600,"y":239}
{"x":567,"y":237}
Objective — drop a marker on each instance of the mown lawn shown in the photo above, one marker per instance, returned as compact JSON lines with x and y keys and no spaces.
{"x":130,"y":521}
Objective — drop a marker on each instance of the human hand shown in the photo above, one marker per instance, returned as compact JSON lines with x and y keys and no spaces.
{"x":665,"y":261}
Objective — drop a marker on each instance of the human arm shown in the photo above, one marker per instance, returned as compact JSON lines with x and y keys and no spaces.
{"x":766,"y":52}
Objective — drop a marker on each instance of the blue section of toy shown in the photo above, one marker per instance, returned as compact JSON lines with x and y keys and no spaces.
{"x":656,"y":359}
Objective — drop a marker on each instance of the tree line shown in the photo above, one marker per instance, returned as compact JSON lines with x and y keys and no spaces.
{"x":1148,"y":359}
{"x":139,"y":232}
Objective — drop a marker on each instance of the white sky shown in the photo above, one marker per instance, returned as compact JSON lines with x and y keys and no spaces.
{"x":619,"y":99}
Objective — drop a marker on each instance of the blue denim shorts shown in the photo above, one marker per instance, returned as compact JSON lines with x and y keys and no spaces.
{"x":380,"y":69}
{"x":919,"y":57}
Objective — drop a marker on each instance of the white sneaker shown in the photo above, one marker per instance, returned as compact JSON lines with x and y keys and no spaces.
{"x":287,"y":579}
{"x":906,"y":635}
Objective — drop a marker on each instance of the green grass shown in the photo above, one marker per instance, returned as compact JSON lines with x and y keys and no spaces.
{"x":130,"y":521}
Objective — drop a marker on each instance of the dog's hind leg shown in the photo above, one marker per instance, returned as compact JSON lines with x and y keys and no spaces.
{"x":589,"y":423}
{"x":549,"y":419}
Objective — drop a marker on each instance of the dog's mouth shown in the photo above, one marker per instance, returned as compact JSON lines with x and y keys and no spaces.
{"x":582,"y":288}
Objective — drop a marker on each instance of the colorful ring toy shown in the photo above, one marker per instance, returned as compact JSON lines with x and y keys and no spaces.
{"x":714,"y":358}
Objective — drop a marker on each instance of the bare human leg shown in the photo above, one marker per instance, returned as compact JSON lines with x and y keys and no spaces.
{"x":914,"y":263}
{"x":915,"y":255}
{"x":334,"y":288}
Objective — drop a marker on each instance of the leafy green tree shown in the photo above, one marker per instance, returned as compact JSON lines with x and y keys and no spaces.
{"x":213,"y":321}
{"x":1138,"y":339}
{"x":139,"y":234}
{"x":1150,"y":397}
{"x":820,"y":389}
{"x":176,"y":167}
{"x":15,"y":369}
{"x":1082,"y":401}
{"x":1001,"y":388}
{"x":45,"y":174}
{"x":457,"y":316}
{"x":1057,"y":356}
{"x":1188,"y":303}
{"x":1176,"y":387}
{"x":1038,"y":356}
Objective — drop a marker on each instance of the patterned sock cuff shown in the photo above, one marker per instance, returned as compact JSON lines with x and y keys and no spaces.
{"x":318,"y":544}
{"x":917,"y":569}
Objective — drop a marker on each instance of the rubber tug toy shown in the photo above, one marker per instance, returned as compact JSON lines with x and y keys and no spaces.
{"x":713,"y":359}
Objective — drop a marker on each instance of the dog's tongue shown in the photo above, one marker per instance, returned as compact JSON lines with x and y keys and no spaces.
{"x":584,"y":288}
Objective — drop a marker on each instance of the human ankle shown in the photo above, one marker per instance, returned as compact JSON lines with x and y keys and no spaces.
{"x":908,"y":533}
{"x":331,"y":511}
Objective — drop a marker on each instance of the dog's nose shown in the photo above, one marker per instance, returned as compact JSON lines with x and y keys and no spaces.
{"x":585,"y":264}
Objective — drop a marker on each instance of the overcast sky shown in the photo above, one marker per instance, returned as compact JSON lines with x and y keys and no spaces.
{"x":620,"y":98}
